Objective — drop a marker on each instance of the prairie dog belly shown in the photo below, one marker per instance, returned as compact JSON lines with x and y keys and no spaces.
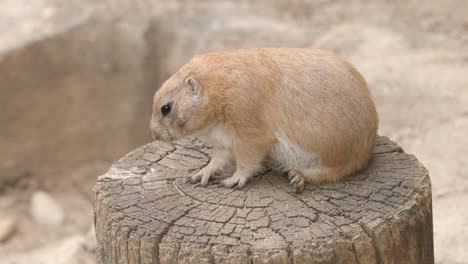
{"x":287,"y":154}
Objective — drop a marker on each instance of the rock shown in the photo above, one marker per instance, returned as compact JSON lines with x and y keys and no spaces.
{"x":90,"y":240}
{"x":451,"y":228}
{"x":71,"y":251}
{"x":63,"y":49}
{"x":350,"y":39}
{"x":7,"y":228}
{"x":10,"y":175}
{"x":45,"y":210}
{"x":209,"y":29}
{"x":35,"y":20}
{"x":66,"y":251}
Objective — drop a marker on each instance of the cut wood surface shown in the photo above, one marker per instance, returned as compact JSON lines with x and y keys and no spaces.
{"x":145,"y":213}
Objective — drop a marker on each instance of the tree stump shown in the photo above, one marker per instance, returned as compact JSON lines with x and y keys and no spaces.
{"x":145,"y":213}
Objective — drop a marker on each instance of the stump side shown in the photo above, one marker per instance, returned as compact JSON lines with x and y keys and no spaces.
{"x":145,"y":213}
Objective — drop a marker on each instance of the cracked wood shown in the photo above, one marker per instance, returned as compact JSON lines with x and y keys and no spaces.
{"x":145,"y":213}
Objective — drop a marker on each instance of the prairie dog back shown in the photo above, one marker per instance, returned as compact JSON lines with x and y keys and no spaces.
{"x":331,"y":113}
{"x":308,"y":110}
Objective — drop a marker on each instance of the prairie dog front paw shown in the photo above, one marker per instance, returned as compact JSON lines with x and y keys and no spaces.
{"x":236,"y":181}
{"x":202,"y":177}
{"x":221,"y":158}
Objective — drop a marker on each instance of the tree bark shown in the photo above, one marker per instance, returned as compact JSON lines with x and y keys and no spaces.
{"x":145,"y":213}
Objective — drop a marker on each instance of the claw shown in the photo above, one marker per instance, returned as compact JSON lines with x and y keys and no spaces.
{"x":199,"y":184}
{"x":294,"y":181}
{"x":228,"y":185}
{"x":297,"y":188}
{"x":216,"y":181}
{"x":188,"y":179}
{"x":191,"y":180}
{"x":297,"y":181}
{"x":240,"y":184}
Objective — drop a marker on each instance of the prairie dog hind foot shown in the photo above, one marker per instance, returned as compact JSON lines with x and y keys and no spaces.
{"x":242,"y":174}
{"x":299,"y":177}
{"x":297,"y":181}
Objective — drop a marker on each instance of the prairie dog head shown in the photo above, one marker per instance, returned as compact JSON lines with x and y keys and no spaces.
{"x":180,"y":108}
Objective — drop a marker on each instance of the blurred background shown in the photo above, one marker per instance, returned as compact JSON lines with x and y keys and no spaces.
{"x":77,"y":79}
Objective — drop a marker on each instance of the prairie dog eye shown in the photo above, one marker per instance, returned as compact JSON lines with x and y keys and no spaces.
{"x":165,"y":109}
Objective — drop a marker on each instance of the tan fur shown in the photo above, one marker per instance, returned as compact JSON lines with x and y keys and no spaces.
{"x":307,"y":109}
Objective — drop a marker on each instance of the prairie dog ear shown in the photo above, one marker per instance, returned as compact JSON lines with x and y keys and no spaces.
{"x":193,"y":85}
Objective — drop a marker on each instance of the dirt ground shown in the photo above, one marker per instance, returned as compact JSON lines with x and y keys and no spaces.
{"x":414,"y":56}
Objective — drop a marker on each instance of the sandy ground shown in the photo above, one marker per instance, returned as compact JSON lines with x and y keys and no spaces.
{"x":418,"y":72}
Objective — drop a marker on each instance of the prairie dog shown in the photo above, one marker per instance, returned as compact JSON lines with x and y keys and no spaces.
{"x":307,"y":110}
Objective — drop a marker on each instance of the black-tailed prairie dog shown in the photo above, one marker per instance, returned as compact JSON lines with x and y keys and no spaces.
{"x":306,"y":110}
